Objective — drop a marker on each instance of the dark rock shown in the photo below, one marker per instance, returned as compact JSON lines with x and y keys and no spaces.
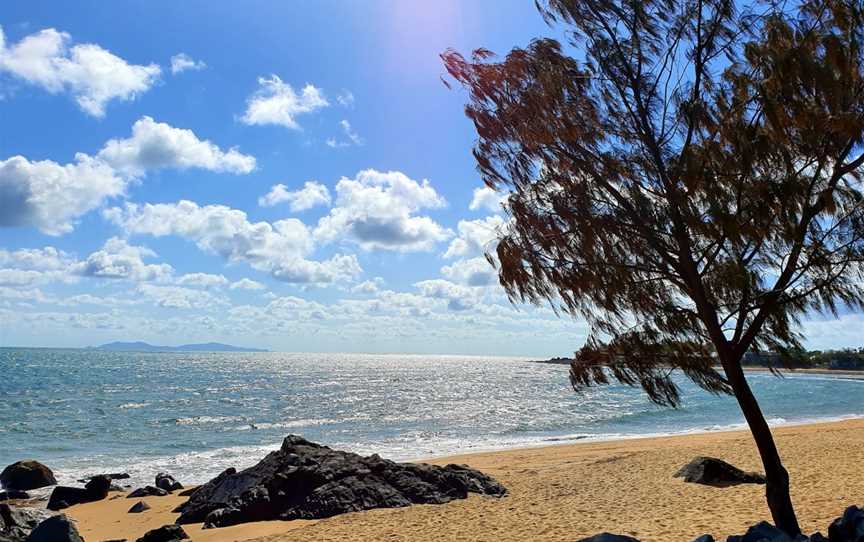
{"x":765,"y":532}
{"x":26,"y":475}
{"x":95,"y":490}
{"x":166,"y":533}
{"x":304,"y":480}
{"x":167,"y":482}
{"x":818,"y":537}
{"x":609,"y":537}
{"x":55,"y":529}
{"x":716,"y":472}
{"x":147,"y":491}
{"x":849,"y":527}
{"x":110,"y":476}
{"x":705,"y":538}
{"x":16,"y":522}
{"x":139,"y":507}
{"x":13,"y":494}
{"x":187,"y":492}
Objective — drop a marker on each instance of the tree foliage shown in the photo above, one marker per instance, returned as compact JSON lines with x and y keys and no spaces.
{"x":684,"y":174}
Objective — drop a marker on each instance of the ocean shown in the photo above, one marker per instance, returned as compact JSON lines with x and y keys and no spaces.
{"x":194,"y":414}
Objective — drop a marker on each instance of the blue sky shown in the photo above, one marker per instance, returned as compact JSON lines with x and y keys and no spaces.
{"x":291,"y":175}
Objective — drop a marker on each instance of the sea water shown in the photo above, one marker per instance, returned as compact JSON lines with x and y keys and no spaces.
{"x":85,"y":412}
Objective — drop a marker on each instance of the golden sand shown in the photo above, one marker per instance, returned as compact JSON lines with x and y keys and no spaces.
{"x":568,"y":492}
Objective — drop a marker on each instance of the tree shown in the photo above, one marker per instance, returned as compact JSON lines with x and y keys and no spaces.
{"x":686,"y":176}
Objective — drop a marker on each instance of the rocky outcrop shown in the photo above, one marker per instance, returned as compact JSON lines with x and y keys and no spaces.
{"x":146,"y":491}
{"x":26,"y":475}
{"x":13,"y":495}
{"x":166,"y":533}
{"x":849,"y":527}
{"x":57,"y":528}
{"x":307,"y":480}
{"x":111,"y":476}
{"x":167,"y":482}
{"x":17,"y":522}
{"x":95,"y":490}
{"x":710,"y":471}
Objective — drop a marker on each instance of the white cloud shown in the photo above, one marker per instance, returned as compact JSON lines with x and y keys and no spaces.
{"x":475,"y":237}
{"x":156,"y":145}
{"x":471,"y":272}
{"x":458,"y":297}
{"x":487,"y":199}
{"x":369,"y":287}
{"x":19,"y":277}
{"x":345,"y":98}
{"x":50,"y":196}
{"x":280,"y":248}
{"x":277,"y":103}
{"x":350,"y":133}
{"x":205,"y":280}
{"x":312,"y":194}
{"x":93,"y":75}
{"x":247,"y":284}
{"x":176,"y":297}
{"x":39,"y":259}
{"x":119,"y":260}
{"x":377,"y":211}
{"x":182,"y":62}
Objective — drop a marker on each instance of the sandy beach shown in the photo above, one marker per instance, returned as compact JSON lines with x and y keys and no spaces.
{"x":565,"y":492}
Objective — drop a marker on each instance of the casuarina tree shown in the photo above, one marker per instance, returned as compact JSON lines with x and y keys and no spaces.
{"x":686,"y":176}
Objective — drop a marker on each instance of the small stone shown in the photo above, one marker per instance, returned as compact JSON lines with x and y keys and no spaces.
{"x":139,"y":507}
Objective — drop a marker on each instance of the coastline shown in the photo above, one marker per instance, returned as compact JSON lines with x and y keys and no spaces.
{"x":564,"y":491}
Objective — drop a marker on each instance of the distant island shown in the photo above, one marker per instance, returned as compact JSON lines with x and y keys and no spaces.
{"x":553,"y":361}
{"x":146,"y":347}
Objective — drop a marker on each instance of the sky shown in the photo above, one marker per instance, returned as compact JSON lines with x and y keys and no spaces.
{"x":286,"y":175}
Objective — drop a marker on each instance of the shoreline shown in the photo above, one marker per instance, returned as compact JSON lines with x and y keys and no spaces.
{"x":564,"y":491}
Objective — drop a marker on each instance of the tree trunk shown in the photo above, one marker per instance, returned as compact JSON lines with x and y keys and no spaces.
{"x":777,"y":487}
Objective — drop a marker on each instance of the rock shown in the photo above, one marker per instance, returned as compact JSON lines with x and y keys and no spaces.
{"x":166,"y":533}
{"x":17,"y":522}
{"x":716,"y":472}
{"x":139,"y":507}
{"x":55,"y":529}
{"x":26,"y":475}
{"x":147,"y":491}
{"x":167,"y":482}
{"x":849,"y":527}
{"x":110,"y":476}
{"x":765,"y":532}
{"x":609,"y":537}
{"x":13,"y":494}
{"x":705,"y":538}
{"x":188,"y":492}
{"x":95,"y":490}
{"x":304,"y":480}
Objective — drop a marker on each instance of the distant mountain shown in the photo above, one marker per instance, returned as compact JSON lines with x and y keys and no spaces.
{"x":146,"y":347}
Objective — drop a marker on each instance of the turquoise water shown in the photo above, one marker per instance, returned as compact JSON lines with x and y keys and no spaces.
{"x":194,"y":415}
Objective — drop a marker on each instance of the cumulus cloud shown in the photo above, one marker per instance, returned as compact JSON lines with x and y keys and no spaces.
{"x":277,"y":103}
{"x":475,"y":237}
{"x":353,"y":137}
{"x":369,"y":286}
{"x":176,"y":297}
{"x":487,"y":199}
{"x":119,"y":260}
{"x":471,"y":272}
{"x":182,"y":62}
{"x":205,"y":280}
{"x":247,"y":284}
{"x":458,"y":297}
{"x":156,"y":145}
{"x":50,"y":196}
{"x":280,"y":248}
{"x":345,"y":98}
{"x":377,"y":210}
{"x":311,"y":195}
{"x":91,"y":74}
{"x":39,"y":259}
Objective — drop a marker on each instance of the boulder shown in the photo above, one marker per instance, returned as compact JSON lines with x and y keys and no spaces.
{"x":95,"y":490}
{"x":17,"y":522}
{"x":110,"y":476}
{"x":55,"y":529}
{"x":765,"y":532}
{"x":710,"y":471}
{"x":13,"y":494}
{"x":609,"y":537}
{"x":146,"y":491}
{"x":705,"y":538}
{"x":166,"y":533}
{"x":139,"y":507}
{"x":304,"y":480}
{"x":849,"y":527}
{"x":167,"y":482}
{"x":26,"y":475}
